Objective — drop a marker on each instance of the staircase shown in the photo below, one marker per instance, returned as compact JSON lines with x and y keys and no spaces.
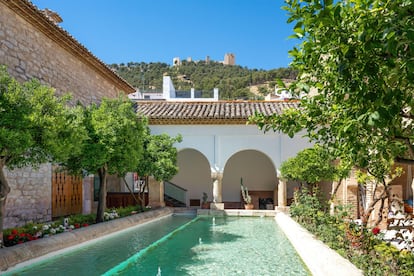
{"x":174,"y":195}
{"x":172,"y":202}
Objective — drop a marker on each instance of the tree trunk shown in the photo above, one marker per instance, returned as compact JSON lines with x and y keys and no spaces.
{"x":4,"y":191}
{"x":141,"y":192}
{"x":334,"y":191}
{"x":102,"y":172}
{"x":137,"y":201}
{"x":367,"y":213}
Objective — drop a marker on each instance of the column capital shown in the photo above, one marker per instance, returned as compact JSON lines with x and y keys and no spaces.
{"x":216,"y":173}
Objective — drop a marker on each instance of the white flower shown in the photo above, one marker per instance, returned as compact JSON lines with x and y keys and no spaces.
{"x":45,"y":227}
{"x":53,"y":231}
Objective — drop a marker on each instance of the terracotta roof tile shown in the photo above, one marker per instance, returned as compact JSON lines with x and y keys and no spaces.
{"x":220,"y":112}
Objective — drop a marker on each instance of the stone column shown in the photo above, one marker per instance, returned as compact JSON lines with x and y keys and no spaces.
{"x":282,"y":190}
{"x":87,"y":205}
{"x":217,"y":178}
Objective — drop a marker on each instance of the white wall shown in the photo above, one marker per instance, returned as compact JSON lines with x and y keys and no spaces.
{"x":219,"y":142}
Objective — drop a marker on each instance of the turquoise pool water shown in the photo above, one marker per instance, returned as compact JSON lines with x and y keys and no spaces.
{"x":218,"y":246}
{"x":203,"y":246}
{"x":98,"y":257}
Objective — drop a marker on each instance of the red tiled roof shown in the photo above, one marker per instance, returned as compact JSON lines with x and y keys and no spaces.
{"x":220,"y":112}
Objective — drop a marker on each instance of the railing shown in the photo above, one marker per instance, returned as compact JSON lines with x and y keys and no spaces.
{"x":197,"y":94}
{"x":116,"y":200}
{"x":174,"y":191}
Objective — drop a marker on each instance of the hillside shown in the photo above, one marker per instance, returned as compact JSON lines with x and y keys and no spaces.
{"x":234,"y":82}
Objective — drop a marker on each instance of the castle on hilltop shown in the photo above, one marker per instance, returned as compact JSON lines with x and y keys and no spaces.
{"x":229,"y":59}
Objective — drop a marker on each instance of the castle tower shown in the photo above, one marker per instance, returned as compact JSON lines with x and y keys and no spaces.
{"x":176,"y":61}
{"x":229,"y":59}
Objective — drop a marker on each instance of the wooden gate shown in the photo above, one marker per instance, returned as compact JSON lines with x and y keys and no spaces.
{"x":66,"y":194}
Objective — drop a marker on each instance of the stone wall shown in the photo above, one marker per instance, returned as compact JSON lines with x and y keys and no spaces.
{"x":347,"y":194}
{"x":33,"y":47}
{"x":30,"y":196}
{"x":29,"y":53}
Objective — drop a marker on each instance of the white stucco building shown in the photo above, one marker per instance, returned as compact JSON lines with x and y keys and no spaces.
{"x":219,"y":149}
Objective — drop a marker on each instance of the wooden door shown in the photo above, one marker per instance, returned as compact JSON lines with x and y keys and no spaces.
{"x":66,"y":194}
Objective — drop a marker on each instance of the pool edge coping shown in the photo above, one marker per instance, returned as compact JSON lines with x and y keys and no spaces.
{"x":318,"y":257}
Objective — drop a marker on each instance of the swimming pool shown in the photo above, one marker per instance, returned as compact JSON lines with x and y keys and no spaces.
{"x":97,"y":257}
{"x":178,"y":245}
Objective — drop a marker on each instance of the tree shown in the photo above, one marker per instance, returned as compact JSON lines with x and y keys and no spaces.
{"x":311,"y":165}
{"x":231,"y":80}
{"x":35,"y":127}
{"x":159,"y":158}
{"x":356,"y":68}
{"x":114,"y":145}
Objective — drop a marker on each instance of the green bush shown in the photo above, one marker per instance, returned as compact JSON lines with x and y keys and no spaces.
{"x":368,"y":252}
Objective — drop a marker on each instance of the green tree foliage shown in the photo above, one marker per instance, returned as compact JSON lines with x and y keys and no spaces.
{"x":311,"y":165}
{"x":358,"y":55}
{"x":372,"y":255}
{"x":233,"y":81}
{"x":35,"y":127}
{"x":160,"y":156}
{"x":114,"y":145}
{"x":356,"y":69}
{"x":159,"y":159}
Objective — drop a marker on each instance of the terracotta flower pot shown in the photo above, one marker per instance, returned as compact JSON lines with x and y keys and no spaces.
{"x":248,"y":206}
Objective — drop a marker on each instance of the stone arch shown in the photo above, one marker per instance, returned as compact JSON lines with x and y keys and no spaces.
{"x":257,"y":170}
{"x":193,"y":174}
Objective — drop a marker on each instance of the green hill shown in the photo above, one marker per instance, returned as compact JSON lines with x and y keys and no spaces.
{"x":233,"y":81}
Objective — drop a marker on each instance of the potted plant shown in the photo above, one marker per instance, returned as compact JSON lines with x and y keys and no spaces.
{"x":204,"y":203}
{"x":246,"y":197}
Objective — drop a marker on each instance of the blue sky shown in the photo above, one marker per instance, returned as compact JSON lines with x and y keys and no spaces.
{"x":121,"y":31}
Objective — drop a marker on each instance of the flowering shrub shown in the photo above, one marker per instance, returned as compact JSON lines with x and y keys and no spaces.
{"x":363,"y":247}
{"x":16,"y":237}
{"x":34,"y":231}
{"x":375,"y":231}
{"x":111,"y":215}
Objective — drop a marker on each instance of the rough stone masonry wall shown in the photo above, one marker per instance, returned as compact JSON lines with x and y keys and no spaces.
{"x":30,"y":196}
{"x":29,"y":53}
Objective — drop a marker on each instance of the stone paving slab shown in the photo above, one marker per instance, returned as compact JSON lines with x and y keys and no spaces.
{"x":12,"y":256}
